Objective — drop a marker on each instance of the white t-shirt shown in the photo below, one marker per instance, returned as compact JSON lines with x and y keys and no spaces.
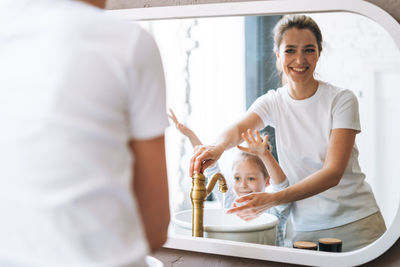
{"x":75,"y":87}
{"x":302,"y":130}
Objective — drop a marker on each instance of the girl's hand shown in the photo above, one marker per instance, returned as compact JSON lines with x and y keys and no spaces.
{"x":256,"y":145}
{"x":181,"y":127}
{"x":254,"y":205}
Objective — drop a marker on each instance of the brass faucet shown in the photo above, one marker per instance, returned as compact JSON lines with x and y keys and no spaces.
{"x":198,"y":195}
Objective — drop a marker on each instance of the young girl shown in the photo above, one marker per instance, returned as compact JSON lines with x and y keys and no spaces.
{"x":253,"y":171}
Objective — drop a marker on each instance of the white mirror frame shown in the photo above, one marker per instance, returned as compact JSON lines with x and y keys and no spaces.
{"x":275,"y":7}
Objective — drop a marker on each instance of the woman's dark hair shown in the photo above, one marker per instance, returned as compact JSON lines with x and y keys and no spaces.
{"x":299,"y":22}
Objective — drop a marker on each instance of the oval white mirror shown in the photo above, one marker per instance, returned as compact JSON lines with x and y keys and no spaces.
{"x":373,"y":83}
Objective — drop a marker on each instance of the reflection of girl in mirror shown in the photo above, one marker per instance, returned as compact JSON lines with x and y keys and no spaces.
{"x":316,"y":125}
{"x":252,"y":171}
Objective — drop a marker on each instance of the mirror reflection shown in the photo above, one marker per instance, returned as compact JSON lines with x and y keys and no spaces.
{"x":215,"y":70}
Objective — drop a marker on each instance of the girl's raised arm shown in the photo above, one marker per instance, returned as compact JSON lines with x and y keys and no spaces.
{"x":261,"y":148}
{"x":194,"y":140}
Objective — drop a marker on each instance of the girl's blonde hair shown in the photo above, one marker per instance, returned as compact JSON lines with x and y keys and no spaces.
{"x":243,"y":156}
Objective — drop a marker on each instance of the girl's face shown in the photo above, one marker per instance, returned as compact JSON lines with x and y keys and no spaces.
{"x":298,"y":55}
{"x":248,"y":178}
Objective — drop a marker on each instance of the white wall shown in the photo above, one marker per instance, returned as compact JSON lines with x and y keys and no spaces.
{"x":217,"y":86}
{"x":391,"y":6}
{"x":359,"y":55}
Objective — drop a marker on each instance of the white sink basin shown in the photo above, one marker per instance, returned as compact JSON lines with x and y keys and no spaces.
{"x":153,"y":262}
{"x":218,"y":224}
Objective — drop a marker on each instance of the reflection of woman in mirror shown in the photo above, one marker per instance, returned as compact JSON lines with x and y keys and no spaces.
{"x":253,"y":169}
{"x":316,"y":125}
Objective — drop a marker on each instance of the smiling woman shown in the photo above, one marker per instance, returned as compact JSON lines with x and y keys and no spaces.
{"x":368,"y":69}
{"x":319,"y":158}
{"x":298,"y":45}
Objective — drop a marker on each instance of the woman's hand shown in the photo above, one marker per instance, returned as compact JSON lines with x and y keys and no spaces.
{"x":254,"y":205}
{"x":204,"y":156}
{"x":256,"y":145}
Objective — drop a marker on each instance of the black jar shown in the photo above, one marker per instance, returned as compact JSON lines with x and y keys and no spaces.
{"x":330,"y":244}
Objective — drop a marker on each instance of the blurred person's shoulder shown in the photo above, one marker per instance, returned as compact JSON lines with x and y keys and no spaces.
{"x":81,"y":20}
{"x":68,"y":20}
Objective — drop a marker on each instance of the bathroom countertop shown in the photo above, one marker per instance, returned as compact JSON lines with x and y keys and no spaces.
{"x":181,"y":258}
